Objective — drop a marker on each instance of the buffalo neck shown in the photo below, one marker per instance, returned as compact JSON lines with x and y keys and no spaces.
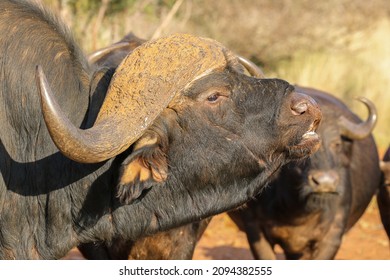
{"x":164,"y":207}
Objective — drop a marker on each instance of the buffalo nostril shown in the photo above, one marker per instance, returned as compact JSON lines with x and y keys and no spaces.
{"x":299,"y":108}
{"x":314,"y":179}
{"x":300,"y":104}
{"x":324,"y":178}
{"x":306,"y":108}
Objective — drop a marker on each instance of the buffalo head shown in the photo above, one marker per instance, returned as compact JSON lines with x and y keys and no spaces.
{"x":328,"y":170}
{"x":185,"y":103}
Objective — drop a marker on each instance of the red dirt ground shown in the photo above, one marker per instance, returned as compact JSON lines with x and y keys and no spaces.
{"x":222,"y":240}
{"x":367,"y":240}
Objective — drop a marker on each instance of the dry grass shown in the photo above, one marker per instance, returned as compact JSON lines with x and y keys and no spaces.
{"x":363,"y":69}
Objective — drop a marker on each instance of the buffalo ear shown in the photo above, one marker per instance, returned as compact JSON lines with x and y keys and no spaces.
{"x":144,"y":168}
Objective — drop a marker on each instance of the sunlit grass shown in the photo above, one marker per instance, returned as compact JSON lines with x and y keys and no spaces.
{"x":361,"y":69}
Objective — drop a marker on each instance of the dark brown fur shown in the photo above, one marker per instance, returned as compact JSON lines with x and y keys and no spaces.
{"x":383,"y":197}
{"x":306,"y":220}
{"x":49,"y":203}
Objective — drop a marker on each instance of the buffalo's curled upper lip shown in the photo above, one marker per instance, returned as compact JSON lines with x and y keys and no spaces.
{"x":310,"y":138}
{"x":309,"y":143}
{"x":310,"y":135}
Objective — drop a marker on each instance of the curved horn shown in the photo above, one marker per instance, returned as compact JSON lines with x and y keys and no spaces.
{"x":95,"y":56}
{"x":143,"y":85}
{"x":252,"y":68}
{"x":359,"y":131}
{"x":88,"y":146}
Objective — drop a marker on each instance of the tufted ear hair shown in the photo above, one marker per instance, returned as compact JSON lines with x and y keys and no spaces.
{"x":144,"y":168}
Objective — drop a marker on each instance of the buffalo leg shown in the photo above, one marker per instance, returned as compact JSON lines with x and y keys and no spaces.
{"x":261,"y":249}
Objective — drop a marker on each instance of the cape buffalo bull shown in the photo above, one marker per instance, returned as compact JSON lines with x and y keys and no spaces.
{"x":312,"y":203}
{"x":182,"y":134}
{"x":383,"y":197}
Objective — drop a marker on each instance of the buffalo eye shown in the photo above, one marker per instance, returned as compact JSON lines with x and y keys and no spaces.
{"x":213,"y":98}
{"x":216,"y":97}
{"x":213,"y":95}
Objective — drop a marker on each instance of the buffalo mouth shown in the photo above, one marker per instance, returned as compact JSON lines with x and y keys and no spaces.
{"x":321,"y":199}
{"x":324,"y":193}
{"x":307,"y":145}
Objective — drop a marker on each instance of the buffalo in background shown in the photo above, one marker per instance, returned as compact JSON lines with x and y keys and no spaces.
{"x":312,"y":203}
{"x":76,"y":170}
{"x":383,"y":197}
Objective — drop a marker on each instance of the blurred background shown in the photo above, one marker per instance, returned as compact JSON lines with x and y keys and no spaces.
{"x":339,"y":46}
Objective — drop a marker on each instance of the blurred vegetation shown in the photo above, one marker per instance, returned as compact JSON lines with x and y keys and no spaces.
{"x":339,"y":46}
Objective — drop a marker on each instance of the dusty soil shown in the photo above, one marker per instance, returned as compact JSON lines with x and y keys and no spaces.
{"x":222,"y":240}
